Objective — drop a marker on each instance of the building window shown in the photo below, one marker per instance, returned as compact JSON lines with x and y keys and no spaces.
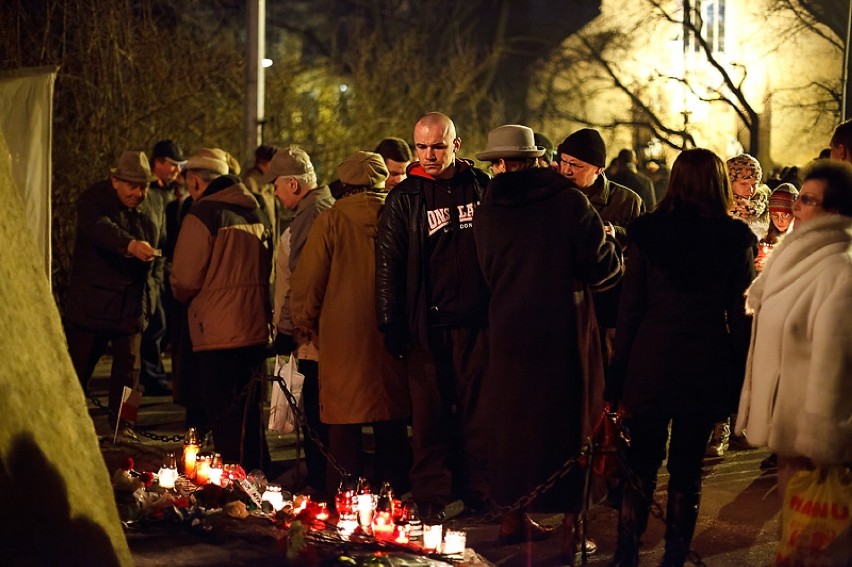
{"x":709,"y":17}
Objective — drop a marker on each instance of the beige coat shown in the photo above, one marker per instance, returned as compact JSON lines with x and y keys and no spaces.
{"x":332,"y":291}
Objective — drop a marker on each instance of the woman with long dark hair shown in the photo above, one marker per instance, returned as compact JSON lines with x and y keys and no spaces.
{"x":681,"y":342}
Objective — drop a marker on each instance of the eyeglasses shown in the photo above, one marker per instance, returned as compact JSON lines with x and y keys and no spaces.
{"x":808,"y":200}
{"x":779,"y":215}
{"x":573,"y":165}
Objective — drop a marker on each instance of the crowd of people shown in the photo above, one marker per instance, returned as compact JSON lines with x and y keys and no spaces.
{"x":491,"y":313}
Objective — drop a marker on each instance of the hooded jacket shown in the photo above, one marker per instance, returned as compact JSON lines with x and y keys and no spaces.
{"x":332,"y":292}
{"x":402,"y":264}
{"x":682,"y":332}
{"x":221,"y":267}
{"x":797,"y":395}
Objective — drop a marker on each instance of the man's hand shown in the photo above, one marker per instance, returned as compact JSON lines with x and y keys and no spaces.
{"x":395,"y":339}
{"x":142,"y":251}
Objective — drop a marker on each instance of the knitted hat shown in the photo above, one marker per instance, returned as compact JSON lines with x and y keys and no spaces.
{"x":363,"y":169}
{"x":133,"y":167}
{"x":744,"y":166}
{"x":585,"y":145}
{"x":169,"y":150}
{"x":211,"y":159}
{"x":782,"y":199}
{"x":289,"y":162}
{"x":511,"y":141}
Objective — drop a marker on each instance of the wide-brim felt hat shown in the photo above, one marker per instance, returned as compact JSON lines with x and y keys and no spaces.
{"x":133,"y":167}
{"x":511,"y":141}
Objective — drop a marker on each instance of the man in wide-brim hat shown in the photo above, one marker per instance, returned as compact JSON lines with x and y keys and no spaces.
{"x":541,"y":248}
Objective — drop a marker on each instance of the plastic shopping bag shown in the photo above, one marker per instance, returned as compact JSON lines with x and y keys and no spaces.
{"x":816,"y":520}
{"x":282,"y":418}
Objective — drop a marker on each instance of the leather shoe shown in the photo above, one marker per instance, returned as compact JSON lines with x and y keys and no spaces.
{"x":517,"y":527}
{"x":572,"y":548}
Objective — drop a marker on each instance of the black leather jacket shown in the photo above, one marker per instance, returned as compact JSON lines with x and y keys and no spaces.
{"x":401,"y":264}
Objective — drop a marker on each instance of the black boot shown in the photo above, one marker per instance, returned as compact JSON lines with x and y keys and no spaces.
{"x":681,"y":517}
{"x":632,"y":521}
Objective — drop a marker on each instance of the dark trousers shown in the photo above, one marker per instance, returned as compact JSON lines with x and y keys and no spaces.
{"x":449,"y":434}
{"x":86,"y":348}
{"x":232,"y":399}
{"x":647,"y":450}
{"x":392,"y":454}
{"x":315,"y":461}
{"x":152,"y":370}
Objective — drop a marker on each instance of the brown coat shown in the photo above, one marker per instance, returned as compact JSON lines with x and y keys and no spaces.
{"x":221,"y":268}
{"x":333,"y":292}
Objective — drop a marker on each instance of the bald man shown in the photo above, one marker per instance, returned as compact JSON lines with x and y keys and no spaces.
{"x":431,"y":304}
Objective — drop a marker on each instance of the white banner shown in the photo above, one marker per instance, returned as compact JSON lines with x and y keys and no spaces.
{"x":26,"y":122}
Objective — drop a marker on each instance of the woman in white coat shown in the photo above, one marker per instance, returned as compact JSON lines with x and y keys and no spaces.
{"x":797,"y":394}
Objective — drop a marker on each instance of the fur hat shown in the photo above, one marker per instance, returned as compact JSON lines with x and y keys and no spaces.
{"x":511,"y":141}
{"x":783,"y":197}
{"x":289,"y":162}
{"x":586,"y":145}
{"x":363,"y":169}
{"x":211,"y":159}
{"x":133,"y":167}
{"x":744,"y":166}
{"x":169,"y":150}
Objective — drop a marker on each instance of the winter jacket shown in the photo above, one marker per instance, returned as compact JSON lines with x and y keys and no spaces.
{"x":797,"y":395}
{"x":402,"y":274}
{"x":333,"y":292}
{"x":541,"y":248}
{"x":682,"y":333}
{"x":109,"y":290}
{"x":221,"y":267}
{"x":616,"y":204}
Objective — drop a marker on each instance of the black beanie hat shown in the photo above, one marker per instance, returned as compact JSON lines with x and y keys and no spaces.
{"x":586,"y":145}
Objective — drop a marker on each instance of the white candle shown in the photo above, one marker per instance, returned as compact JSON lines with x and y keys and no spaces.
{"x":432,"y":537}
{"x":273,"y":495}
{"x":454,"y":542}
{"x":167,"y":477}
{"x":365,"y":509}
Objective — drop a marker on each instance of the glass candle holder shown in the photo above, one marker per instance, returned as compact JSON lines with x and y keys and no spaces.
{"x":217,"y":470}
{"x":454,"y":542}
{"x":366,"y":507}
{"x":432,"y":537}
{"x":191,"y":448}
{"x":168,"y":474}
{"x":202,"y":469}
{"x":273,"y":495}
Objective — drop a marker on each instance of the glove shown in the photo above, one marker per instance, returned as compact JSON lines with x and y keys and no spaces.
{"x":395,"y":339}
{"x":283,"y":344}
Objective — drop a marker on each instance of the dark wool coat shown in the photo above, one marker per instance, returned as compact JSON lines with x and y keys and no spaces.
{"x":109,"y":290}
{"x":541,"y":246}
{"x":682,"y":331}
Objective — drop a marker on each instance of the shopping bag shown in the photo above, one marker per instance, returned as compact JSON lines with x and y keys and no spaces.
{"x":816,"y":520}
{"x":282,"y":418}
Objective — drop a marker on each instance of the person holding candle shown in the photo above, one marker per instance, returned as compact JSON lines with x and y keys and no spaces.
{"x":681,"y":342}
{"x":543,"y":386}
{"x":781,"y":220}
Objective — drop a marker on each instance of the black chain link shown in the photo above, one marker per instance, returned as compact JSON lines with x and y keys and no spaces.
{"x":302,"y":422}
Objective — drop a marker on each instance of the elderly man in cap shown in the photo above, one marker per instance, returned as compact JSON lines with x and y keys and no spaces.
{"x":431,"y":306}
{"x":542,"y":420}
{"x":333,"y":294}
{"x":295,"y":181}
{"x":115,"y":274}
{"x":221,"y":269}
{"x":582,"y":158}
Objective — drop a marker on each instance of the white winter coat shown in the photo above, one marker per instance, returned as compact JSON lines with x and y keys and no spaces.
{"x":797,"y":394}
